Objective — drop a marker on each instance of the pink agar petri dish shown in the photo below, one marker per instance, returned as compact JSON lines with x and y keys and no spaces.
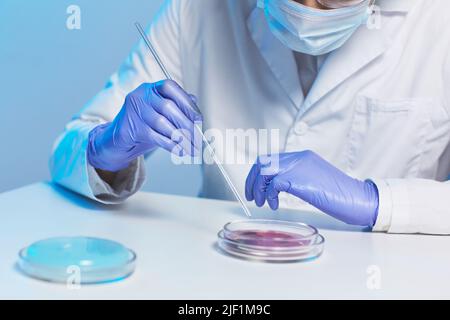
{"x":268,"y":238}
{"x":271,"y":240}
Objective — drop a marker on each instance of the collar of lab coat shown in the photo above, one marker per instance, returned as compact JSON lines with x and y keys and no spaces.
{"x":364,"y":46}
{"x":395,"y":5}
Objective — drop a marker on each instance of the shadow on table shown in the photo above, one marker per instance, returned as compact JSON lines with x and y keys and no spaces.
{"x":316,"y":219}
{"x":89,"y":204}
{"x":319,"y":220}
{"x":81,"y":201}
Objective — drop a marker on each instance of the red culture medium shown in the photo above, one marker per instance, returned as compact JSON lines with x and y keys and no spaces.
{"x":268,"y":238}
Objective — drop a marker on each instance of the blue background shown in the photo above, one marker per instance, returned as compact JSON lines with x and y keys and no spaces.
{"x":49,"y":72}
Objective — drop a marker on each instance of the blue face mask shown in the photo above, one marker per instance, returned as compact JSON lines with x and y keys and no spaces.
{"x":313,"y":31}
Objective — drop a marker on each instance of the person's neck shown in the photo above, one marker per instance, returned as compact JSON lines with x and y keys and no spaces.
{"x":311,"y":3}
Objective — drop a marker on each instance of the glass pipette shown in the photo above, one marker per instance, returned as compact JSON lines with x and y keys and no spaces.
{"x":208,"y":145}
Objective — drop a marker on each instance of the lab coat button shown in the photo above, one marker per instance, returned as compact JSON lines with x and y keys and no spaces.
{"x":301,"y":128}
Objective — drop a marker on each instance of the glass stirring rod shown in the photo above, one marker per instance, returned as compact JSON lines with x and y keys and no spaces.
{"x":208,"y":145}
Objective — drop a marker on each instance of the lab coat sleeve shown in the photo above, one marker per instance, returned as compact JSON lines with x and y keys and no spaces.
{"x":416,"y":205}
{"x":413,"y":206}
{"x":68,"y":164}
{"x":70,"y":168}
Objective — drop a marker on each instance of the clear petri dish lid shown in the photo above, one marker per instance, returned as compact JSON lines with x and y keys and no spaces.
{"x":272,"y":255}
{"x":270,"y":233}
{"x":82,"y":260}
{"x":271,"y":240}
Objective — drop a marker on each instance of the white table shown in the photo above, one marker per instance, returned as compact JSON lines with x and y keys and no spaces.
{"x":175,"y":237}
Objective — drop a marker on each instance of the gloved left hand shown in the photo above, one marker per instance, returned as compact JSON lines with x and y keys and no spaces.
{"x":309,"y":177}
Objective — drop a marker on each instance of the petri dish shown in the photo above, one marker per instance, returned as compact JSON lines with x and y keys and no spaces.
{"x":271,"y":240}
{"x":81,"y":260}
{"x":270,"y":233}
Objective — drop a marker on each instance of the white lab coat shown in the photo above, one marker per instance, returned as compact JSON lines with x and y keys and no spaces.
{"x":379,"y":108}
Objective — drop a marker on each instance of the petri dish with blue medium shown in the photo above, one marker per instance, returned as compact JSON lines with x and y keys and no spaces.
{"x":93,"y":260}
{"x":271,"y":240}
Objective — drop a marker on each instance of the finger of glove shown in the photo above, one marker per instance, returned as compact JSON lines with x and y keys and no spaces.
{"x":165,"y":143}
{"x":184,"y":126}
{"x":171,"y":90}
{"x":194,"y":98}
{"x":273,"y":190}
{"x":259,"y":190}
{"x":157,"y":122}
{"x":250,"y":182}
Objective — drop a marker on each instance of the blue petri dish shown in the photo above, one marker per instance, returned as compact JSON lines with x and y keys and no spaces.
{"x":82,"y":260}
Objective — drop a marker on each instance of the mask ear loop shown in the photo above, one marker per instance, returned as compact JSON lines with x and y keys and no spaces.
{"x":371,"y":6}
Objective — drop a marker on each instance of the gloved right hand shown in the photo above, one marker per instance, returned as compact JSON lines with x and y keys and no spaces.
{"x":149,"y":118}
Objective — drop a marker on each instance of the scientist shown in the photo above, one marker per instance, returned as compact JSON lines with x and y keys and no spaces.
{"x":363,"y":111}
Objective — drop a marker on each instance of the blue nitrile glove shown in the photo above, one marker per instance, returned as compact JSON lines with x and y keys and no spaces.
{"x":312,"y":179}
{"x":154,"y":115}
